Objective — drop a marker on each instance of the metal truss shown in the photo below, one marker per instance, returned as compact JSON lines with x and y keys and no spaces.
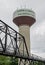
{"x":10,"y":45}
{"x":11,"y":41}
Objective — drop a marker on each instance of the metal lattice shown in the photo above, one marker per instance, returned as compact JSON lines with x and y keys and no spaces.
{"x":10,"y":45}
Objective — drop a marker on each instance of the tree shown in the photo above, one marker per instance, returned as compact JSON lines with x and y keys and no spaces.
{"x":4,"y":60}
{"x":14,"y":61}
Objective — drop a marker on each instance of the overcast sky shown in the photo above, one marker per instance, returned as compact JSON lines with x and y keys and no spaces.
{"x":7,"y":7}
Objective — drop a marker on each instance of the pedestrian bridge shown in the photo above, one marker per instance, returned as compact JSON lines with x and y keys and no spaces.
{"x":11,"y":42}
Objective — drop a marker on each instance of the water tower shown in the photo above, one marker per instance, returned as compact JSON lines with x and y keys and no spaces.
{"x":24,"y":18}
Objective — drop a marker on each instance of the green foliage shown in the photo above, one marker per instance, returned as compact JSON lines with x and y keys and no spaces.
{"x":36,"y":63}
{"x":8,"y":60}
{"x":14,"y":61}
{"x":4,"y":60}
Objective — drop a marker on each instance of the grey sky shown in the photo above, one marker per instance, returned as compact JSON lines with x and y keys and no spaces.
{"x":7,"y":7}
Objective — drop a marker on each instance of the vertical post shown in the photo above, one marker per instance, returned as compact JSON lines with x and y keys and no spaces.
{"x":16,"y":43}
{"x":23,"y":48}
{"x":1,"y":43}
{"x":5,"y":38}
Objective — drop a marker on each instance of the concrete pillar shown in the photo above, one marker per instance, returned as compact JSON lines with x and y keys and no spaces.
{"x":25,"y":31}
